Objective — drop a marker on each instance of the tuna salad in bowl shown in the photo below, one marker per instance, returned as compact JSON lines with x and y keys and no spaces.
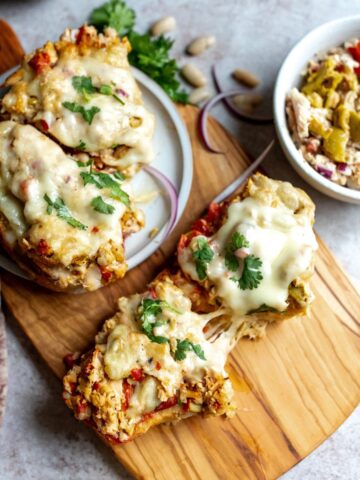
{"x":317,"y":108}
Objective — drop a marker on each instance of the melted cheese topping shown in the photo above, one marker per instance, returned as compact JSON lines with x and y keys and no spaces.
{"x":31,"y":166}
{"x":127,"y":348}
{"x":283,"y":241}
{"x":116,"y":124}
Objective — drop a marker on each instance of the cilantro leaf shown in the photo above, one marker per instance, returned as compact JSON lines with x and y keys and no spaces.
{"x":87,"y":114}
{"x":152,"y":56}
{"x":83,"y":164}
{"x":251,"y":275}
{"x":109,"y":181}
{"x":62,"y":212}
{"x":202,"y":256}
{"x":237,"y":241}
{"x":100,"y":206}
{"x":115,"y":14}
{"x":184,"y":346}
{"x":83,"y":84}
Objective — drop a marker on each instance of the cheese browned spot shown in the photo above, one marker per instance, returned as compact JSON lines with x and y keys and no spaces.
{"x":33,"y":167}
{"x":120,"y":133}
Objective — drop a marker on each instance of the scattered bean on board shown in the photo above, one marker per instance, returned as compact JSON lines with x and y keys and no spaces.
{"x":164,"y":25}
{"x":193,"y":75}
{"x":199,"y":44}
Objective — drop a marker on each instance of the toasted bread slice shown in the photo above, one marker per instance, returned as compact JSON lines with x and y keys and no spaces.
{"x":62,"y":230}
{"x":80,"y":91}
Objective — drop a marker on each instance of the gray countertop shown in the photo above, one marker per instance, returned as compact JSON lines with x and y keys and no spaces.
{"x":39,"y":439}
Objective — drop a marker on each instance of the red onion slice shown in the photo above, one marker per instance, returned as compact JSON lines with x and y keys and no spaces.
{"x":246,"y":117}
{"x":172,"y":194}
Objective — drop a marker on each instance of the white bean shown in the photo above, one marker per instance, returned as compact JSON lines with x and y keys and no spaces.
{"x":245,"y":77}
{"x":199,"y":95}
{"x":164,"y":25}
{"x":193,"y":75}
{"x":200,"y":44}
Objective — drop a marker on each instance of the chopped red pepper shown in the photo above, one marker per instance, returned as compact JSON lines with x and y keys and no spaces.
{"x":80,"y":35}
{"x":42,"y":247}
{"x":44,"y":125}
{"x":69,"y":360}
{"x":152,"y":293}
{"x":170,"y":402}
{"x":147,"y":416}
{"x":213,"y":213}
{"x":105,"y":274}
{"x":128,"y":390}
{"x":137,"y":374}
{"x":95,"y":229}
{"x":186,"y":406}
{"x":96,"y":386}
{"x":81,"y":407}
{"x":158,"y":365}
{"x":201,"y":225}
{"x":73,"y":386}
{"x":355,"y":52}
{"x":40,"y":61}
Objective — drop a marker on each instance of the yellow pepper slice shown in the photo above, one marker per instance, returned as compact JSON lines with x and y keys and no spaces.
{"x":324,"y":80}
{"x":335,"y":144}
{"x":354,"y":124}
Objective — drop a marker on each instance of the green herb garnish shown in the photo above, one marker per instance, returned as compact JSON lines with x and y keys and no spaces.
{"x":84,"y":164}
{"x":62,"y":212}
{"x":87,"y":114}
{"x":202,"y":256}
{"x":100,"y":206}
{"x":251,"y":275}
{"x":149,"y":309}
{"x":263,"y":308}
{"x":115,"y":14}
{"x":151,"y":55}
{"x":184,"y":346}
{"x":85,"y":86}
{"x":237,"y":241}
{"x":108,"y":181}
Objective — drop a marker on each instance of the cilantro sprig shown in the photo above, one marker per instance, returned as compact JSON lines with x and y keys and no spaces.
{"x":87,"y":114}
{"x":251,"y":275}
{"x":151,"y":55}
{"x":115,"y":14}
{"x":62,"y":212}
{"x":184,"y":346}
{"x":149,"y":309}
{"x":202,"y":256}
{"x":108,"y":181}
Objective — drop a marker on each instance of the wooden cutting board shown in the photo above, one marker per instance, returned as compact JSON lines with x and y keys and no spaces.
{"x":292,"y":389}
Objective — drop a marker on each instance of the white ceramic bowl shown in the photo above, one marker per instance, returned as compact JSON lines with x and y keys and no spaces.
{"x":326,"y":36}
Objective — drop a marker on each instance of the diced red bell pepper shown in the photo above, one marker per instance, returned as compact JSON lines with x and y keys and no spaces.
{"x":137,"y":374}
{"x":158,"y":365}
{"x":40,"y":61}
{"x":128,"y":390}
{"x":105,"y":274}
{"x":96,"y":386}
{"x":42,"y":247}
{"x":355,"y":52}
{"x":170,"y":402}
{"x":186,"y":406}
{"x":202,"y":226}
{"x":44,"y":125}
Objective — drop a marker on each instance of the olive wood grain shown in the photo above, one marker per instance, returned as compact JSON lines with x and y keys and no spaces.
{"x":292,"y":389}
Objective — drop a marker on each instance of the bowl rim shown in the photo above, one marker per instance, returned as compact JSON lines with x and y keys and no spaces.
{"x":301,"y":166}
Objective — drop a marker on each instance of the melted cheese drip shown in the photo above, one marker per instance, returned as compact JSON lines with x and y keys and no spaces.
{"x":284,"y":242}
{"x":128,"y":348}
{"x":113,"y":125}
{"x":32,"y":165}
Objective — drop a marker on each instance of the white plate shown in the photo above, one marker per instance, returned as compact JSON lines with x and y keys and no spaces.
{"x":173,"y":157}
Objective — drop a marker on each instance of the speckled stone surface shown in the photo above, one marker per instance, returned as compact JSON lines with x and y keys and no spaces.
{"x":38,"y":438}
